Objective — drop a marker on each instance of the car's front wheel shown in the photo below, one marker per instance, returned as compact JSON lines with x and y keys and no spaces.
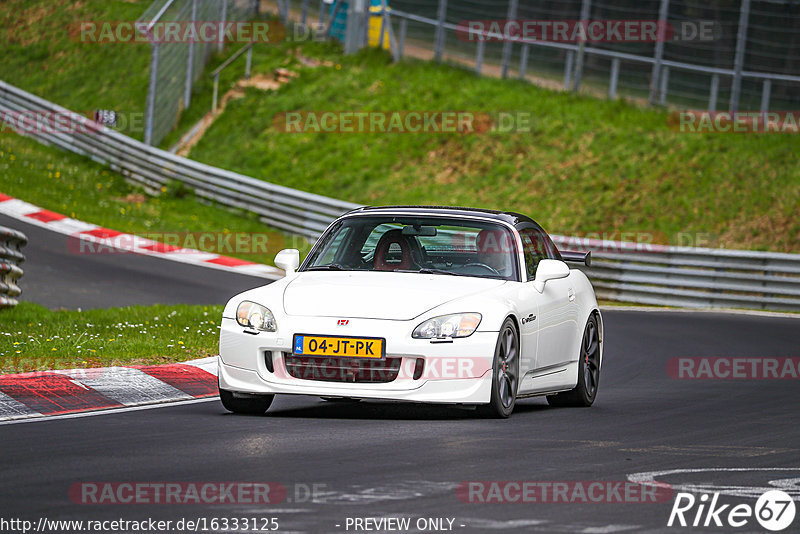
{"x":585,"y":391}
{"x":245,"y":404}
{"x":505,"y":373}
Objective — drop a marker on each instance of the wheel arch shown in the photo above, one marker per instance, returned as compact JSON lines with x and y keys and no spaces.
{"x":601,"y":331}
{"x":514,"y":320}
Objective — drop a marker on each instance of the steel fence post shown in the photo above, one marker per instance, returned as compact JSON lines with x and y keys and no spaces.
{"x":215,"y":95}
{"x":384,"y":24}
{"x":438,"y":47}
{"x":612,"y":84}
{"x":248,"y":62}
{"x":523,"y":61}
{"x":663,"y":81}
{"x":479,"y":57}
{"x":401,"y":40}
{"x":223,"y":22}
{"x":187,"y":90}
{"x":586,"y":8}
{"x":511,"y":15}
{"x":766,"y":89}
{"x":568,"y":69}
{"x":356,"y":26}
{"x":738,"y":61}
{"x":714,"y":92}
{"x":151,"y":95}
{"x":663,"y":13}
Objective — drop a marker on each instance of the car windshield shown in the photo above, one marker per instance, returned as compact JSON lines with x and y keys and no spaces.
{"x":430,"y":245}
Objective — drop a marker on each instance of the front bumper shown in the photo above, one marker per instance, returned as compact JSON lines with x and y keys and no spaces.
{"x":454,"y":372}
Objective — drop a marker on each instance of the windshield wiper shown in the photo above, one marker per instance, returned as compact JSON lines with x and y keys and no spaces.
{"x":428,"y":270}
{"x":329,"y":267}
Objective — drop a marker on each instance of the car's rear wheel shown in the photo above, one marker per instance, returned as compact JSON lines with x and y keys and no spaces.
{"x":505,"y":373}
{"x":245,"y":404}
{"x":585,"y":391}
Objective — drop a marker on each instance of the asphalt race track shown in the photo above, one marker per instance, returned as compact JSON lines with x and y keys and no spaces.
{"x":57,"y":277}
{"x":396,"y":460}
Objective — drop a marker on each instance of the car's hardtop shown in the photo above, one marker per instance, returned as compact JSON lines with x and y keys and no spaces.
{"x":510,"y":217}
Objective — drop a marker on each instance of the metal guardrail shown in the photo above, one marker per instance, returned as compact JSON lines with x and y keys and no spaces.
{"x":11,"y":257}
{"x":691,"y":277}
{"x":629,"y":272}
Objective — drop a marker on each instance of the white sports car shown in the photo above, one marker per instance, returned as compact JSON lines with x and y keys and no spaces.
{"x":424,"y":304}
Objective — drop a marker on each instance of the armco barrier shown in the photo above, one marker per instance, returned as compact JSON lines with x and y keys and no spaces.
{"x":630,"y":272}
{"x":691,"y":277}
{"x":295,"y":211}
{"x":11,"y":241}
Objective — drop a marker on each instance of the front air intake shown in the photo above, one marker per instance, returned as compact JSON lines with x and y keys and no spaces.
{"x":355,"y":370}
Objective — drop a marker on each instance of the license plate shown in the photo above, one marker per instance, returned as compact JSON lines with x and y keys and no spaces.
{"x":338,"y":346}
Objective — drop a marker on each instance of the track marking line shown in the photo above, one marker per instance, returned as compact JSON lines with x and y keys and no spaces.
{"x":110,"y":411}
{"x":648,"y":478}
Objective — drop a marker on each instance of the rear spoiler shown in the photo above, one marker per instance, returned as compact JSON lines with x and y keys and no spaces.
{"x":577,"y":257}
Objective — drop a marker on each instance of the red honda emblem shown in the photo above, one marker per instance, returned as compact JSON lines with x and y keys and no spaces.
{"x":343,"y":322}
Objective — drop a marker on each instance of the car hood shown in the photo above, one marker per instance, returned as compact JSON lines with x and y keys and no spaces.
{"x":377,"y":295}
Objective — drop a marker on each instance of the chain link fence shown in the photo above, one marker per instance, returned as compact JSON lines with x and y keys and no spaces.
{"x":751,"y":62}
{"x":175,"y":66}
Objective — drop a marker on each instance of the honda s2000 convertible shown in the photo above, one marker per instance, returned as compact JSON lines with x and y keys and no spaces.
{"x":422,"y":304}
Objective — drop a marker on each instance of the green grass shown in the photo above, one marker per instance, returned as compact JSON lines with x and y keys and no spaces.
{"x":33,"y":338}
{"x":79,"y":188}
{"x":42,"y":54}
{"x":586,"y":165}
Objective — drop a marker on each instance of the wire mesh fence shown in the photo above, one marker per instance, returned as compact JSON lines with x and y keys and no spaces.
{"x":176,"y":64}
{"x":715,"y":55}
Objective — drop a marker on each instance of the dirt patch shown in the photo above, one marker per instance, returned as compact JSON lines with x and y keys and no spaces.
{"x":310,"y":62}
{"x":133,"y":198}
{"x":262,"y":82}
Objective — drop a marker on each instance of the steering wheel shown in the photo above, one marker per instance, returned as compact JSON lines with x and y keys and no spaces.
{"x":491,"y":270}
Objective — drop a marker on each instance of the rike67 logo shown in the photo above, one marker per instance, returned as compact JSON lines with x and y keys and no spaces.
{"x":774,"y":511}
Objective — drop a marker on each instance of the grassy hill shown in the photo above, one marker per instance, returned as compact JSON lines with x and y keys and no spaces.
{"x":41,"y":54}
{"x":586,"y":165}
{"x":80,"y":188}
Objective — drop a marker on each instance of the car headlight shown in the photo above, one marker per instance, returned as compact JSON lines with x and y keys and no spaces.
{"x":444,"y":326}
{"x":255,"y":316}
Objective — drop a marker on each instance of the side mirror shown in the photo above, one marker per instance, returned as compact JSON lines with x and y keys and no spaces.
{"x":549,"y":270}
{"x":288,"y":259}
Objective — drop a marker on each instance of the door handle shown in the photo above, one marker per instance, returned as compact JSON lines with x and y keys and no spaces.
{"x":571,"y":294}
